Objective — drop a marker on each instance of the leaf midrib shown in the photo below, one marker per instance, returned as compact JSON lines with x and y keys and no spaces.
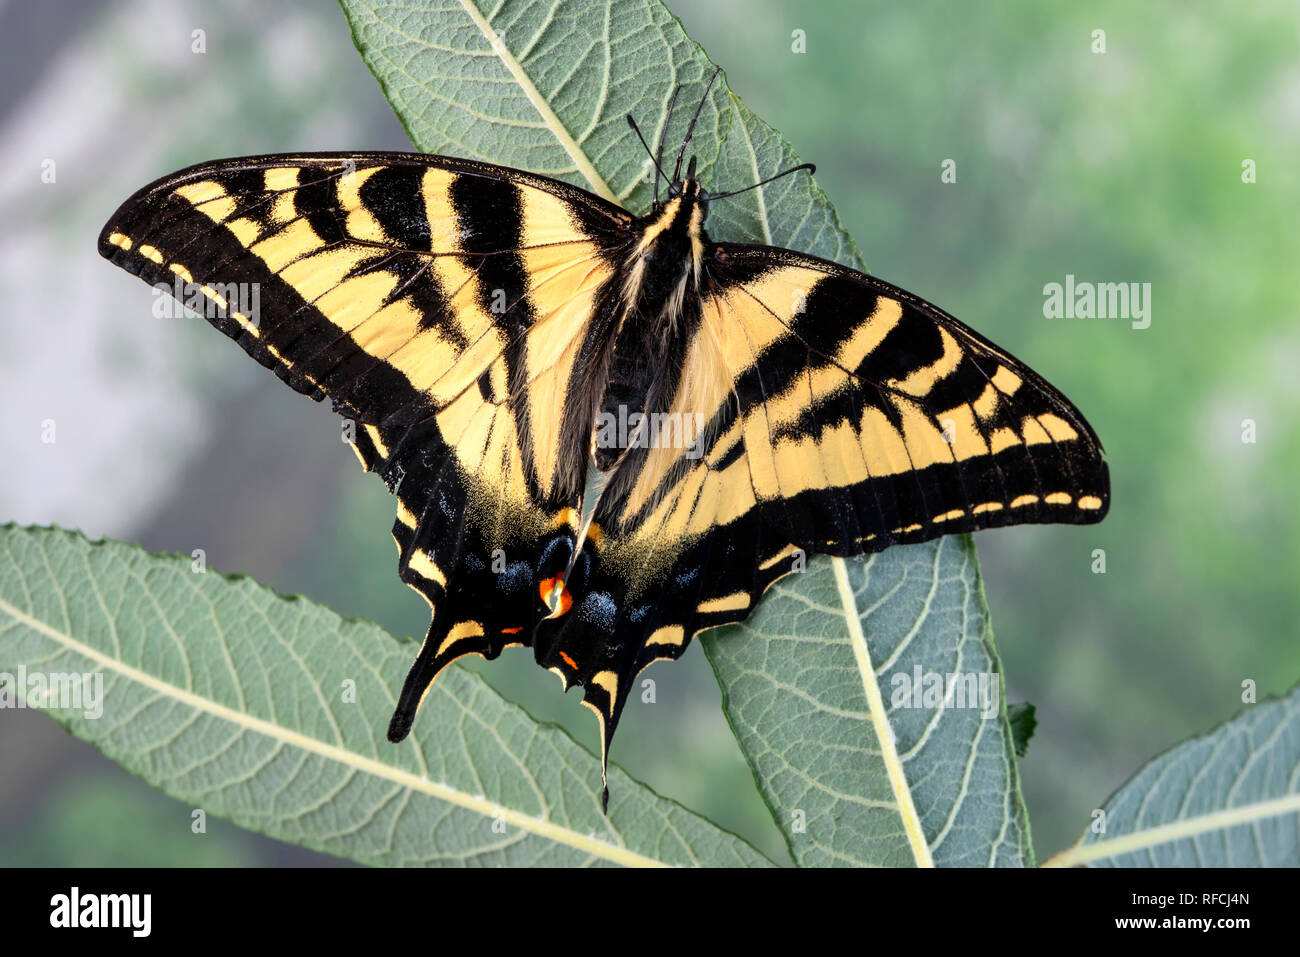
{"x":911,"y":821}
{"x":481,"y":805}
{"x":540,"y":103}
{"x":1173,"y":831}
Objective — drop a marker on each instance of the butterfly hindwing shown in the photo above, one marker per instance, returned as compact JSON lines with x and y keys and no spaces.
{"x":438,"y":304}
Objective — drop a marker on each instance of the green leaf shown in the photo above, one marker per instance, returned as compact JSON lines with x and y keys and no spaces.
{"x":1024,"y":721}
{"x":271,"y":712}
{"x":545,"y":87}
{"x":792,"y":212}
{"x":858,"y":765}
{"x":1228,"y":799}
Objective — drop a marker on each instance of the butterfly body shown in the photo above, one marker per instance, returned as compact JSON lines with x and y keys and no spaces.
{"x":494,"y":335}
{"x":651,"y":314}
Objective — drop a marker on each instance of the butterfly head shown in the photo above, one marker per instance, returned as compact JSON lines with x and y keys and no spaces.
{"x":689,"y":188}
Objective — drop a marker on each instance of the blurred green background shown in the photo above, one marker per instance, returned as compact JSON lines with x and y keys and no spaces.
{"x":1123,"y":166}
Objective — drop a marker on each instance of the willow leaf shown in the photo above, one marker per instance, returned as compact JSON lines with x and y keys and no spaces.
{"x":270,"y":712}
{"x":855,"y":771}
{"x":544,"y":87}
{"x":1228,"y":799}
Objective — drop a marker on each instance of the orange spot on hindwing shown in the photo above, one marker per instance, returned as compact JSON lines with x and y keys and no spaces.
{"x":569,"y":661}
{"x":555,"y":596}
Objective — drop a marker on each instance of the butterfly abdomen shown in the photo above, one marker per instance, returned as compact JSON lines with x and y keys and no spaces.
{"x":642,"y":378}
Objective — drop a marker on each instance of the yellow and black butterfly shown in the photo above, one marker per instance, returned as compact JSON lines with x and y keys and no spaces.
{"x":494,"y":334}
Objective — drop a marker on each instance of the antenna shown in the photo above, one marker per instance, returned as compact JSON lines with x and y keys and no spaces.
{"x":793,"y":169}
{"x":690,"y":130}
{"x":635,"y":129}
{"x":663,"y":134}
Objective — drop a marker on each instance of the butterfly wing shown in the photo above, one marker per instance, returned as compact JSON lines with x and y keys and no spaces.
{"x":438,"y":303}
{"x":839,"y":415}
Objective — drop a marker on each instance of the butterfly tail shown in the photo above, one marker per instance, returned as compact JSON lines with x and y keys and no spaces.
{"x":419,"y":680}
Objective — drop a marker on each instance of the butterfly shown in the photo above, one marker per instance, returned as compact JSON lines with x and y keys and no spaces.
{"x":605,"y":432}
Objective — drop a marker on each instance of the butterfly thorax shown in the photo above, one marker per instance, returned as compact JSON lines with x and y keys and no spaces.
{"x":655,"y":313}
{"x":668,"y":254}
